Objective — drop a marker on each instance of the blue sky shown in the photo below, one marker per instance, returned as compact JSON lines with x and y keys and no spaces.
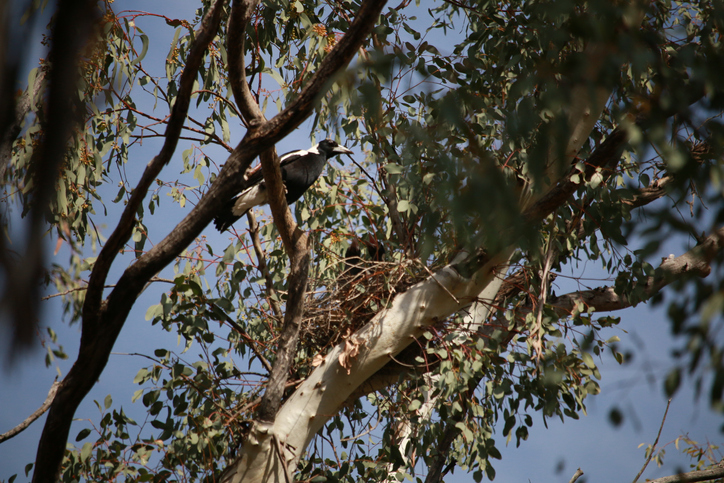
{"x":603,"y":452}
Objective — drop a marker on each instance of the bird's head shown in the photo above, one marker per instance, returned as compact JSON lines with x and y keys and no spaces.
{"x":332,"y":148}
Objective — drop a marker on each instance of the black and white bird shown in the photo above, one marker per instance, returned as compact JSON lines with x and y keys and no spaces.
{"x":300,"y":169}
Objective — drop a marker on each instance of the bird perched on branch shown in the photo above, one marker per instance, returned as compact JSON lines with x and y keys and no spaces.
{"x":300,"y":169}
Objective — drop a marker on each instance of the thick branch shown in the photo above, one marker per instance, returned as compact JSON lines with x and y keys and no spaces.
{"x":204,"y":36}
{"x":99,"y":333}
{"x":605,"y":156}
{"x":644,"y":196}
{"x":710,"y":474}
{"x":342,"y":53}
{"x":102,"y":322}
{"x":696,"y":262}
{"x":290,"y":333}
{"x":296,"y":244}
{"x":241,"y":11}
{"x":295,"y":241}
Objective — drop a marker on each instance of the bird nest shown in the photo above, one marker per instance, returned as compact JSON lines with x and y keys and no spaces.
{"x":350,"y":301}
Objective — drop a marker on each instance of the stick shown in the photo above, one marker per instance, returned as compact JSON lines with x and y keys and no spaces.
{"x":651,"y":454}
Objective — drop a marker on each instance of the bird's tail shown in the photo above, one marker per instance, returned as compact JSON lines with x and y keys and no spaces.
{"x":227,"y":217}
{"x":237,"y":207}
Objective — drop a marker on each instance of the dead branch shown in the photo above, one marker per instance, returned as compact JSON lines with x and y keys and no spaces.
{"x":576,"y":475}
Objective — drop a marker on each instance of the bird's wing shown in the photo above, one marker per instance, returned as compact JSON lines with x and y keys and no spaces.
{"x":256,"y":175}
{"x":290,"y":157}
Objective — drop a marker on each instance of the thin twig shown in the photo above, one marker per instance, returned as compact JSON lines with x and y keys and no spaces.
{"x":271,"y":293}
{"x":432,"y":275}
{"x":653,"y":447}
{"x":29,"y":420}
{"x":78,"y":289}
{"x":280,"y":454}
{"x":372,"y":180}
{"x":538,"y":342}
{"x":367,"y":431}
{"x":243,"y":333}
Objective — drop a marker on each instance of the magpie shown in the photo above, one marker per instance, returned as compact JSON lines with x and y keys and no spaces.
{"x":353,"y":261}
{"x":300,"y":169}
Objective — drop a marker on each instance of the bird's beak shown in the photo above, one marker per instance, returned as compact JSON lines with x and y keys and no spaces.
{"x":341,"y":150}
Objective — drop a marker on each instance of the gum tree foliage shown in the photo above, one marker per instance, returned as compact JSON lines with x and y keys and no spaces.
{"x":498,"y":141}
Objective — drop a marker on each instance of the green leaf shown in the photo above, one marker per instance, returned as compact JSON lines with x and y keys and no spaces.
{"x":393,"y":168}
{"x":672,"y":381}
{"x":82,"y":434}
{"x":144,"y":49}
{"x":86,"y":451}
{"x":588,"y":360}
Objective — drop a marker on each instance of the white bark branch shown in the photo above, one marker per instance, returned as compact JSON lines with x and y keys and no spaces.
{"x":321,"y":395}
{"x":473,"y":322}
{"x":709,"y":474}
{"x":576,"y":475}
{"x":695,"y":262}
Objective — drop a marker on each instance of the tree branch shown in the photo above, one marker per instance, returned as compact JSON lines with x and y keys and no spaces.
{"x":98,"y":332}
{"x":295,"y":242}
{"x":204,"y":36}
{"x":653,"y":446}
{"x":709,"y":474}
{"x":605,"y":156}
{"x":576,"y":475}
{"x":271,"y":293}
{"x":297,"y":246}
{"x":241,"y":11}
{"x":340,"y":55}
{"x":29,"y":420}
{"x":695,"y":262}
{"x":102,"y":321}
